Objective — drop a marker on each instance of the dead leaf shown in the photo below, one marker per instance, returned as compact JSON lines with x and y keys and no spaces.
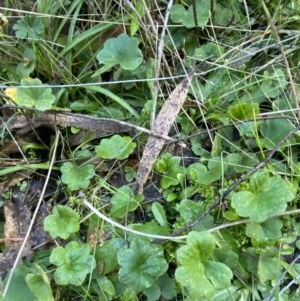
{"x":162,"y":126}
{"x":3,"y":21}
{"x":16,"y":178}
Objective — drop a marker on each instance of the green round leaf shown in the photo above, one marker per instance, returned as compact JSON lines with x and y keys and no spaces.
{"x":122,"y":50}
{"x":27,"y":66}
{"x":274,"y":130}
{"x":124,"y":202}
{"x":167,"y":286}
{"x":271,"y":197}
{"x":180,"y":15}
{"x":218,"y":273}
{"x":40,"y":97}
{"x":242,"y":162}
{"x":17,"y":285}
{"x":194,"y":278}
{"x":77,"y":177}
{"x":30,"y":26}
{"x":269,"y":264}
{"x":206,"y":175}
{"x":208,"y":50}
{"x":73,"y":263}
{"x":116,"y":147}
{"x":151,"y":228}
{"x":108,"y":255}
{"x":84,"y":105}
{"x":200,"y":246}
{"x":39,"y":288}
{"x":62,"y":222}
{"x":274,"y":83}
{"x":201,"y":276}
{"x":152,"y":293}
{"x":266,"y":231}
{"x":106,"y":285}
{"x":141,"y":264}
{"x":190,"y":210}
{"x":226,"y":255}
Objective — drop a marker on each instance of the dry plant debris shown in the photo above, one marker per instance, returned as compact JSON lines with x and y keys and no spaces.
{"x":162,"y":126}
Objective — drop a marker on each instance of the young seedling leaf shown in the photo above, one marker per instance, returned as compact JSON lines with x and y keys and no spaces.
{"x":243,"y":110}
{"x":171,"y":170}
{"x":116,"y":147}
{"x":141,"y":264}
{"x":62,"y":222}
{"x":122,"y":50}
{"x":77,"y":177}
{"x":203,"y":175}
{"x":73,"y":263}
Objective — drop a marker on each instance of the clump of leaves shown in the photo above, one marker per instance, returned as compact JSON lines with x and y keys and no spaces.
{"x":237,"y":84}
{"x":171,"y":170}
{"x":205,"y":175}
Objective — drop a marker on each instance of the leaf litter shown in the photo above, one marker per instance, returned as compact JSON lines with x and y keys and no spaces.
{"x":162,"y":125}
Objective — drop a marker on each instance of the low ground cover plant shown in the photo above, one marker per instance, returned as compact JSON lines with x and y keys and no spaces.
{"x":88,"y":95}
